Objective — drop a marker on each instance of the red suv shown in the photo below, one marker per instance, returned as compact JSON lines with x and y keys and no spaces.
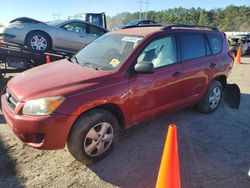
{"x":115,"y":82}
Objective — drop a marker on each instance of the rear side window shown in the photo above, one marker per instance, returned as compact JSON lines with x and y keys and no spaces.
{"x":95,"y":30}
{"x":192,"y":46}
{"x":215,"y":41}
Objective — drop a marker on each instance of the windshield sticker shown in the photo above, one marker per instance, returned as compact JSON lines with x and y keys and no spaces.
{"x":114,"y":62}
{"x":131,"y":39}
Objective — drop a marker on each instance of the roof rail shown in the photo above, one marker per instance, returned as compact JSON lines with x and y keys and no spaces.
{"x":168,"y":27}
{"x":142,"y":25}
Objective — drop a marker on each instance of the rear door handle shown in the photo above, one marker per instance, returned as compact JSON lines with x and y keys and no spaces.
{"x":177,"y":74}
{"x":212,"y":65}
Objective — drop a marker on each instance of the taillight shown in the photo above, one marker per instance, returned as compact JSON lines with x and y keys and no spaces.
{"x":231,"y":55}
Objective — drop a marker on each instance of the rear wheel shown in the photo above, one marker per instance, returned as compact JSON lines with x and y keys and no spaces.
{"x":212,"y":98}
{"x":38,"y":42}
{"x":93,"y":135}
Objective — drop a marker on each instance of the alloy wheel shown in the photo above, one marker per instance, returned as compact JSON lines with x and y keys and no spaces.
{"x":38,"y":43}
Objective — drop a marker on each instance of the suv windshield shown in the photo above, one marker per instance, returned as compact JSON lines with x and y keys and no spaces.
{"x":108,"y":52}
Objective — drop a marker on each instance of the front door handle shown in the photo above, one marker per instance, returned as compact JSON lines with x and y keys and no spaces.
{"x":177,"y":74}
{"x":212,"y":65}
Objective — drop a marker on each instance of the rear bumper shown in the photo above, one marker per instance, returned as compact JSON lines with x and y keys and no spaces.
{"x":5,"y":35}
{"x":42,"y":132}
{"x":15,"y":36}
{"x":7,"y":38}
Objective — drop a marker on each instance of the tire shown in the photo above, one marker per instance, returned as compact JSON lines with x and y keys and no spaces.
{"x":212,"y":99}
{"x":91,"y":125}
{"x":38,"y":42}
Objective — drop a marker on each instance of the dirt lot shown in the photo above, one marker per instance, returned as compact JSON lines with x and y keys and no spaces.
{"x":214,"y":151}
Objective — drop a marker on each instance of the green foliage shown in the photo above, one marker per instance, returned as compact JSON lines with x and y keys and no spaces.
{"x":232,"y":18}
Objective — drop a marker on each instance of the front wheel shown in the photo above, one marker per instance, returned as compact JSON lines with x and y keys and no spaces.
{"x":93,"y":135}
{"x":212,"y":99}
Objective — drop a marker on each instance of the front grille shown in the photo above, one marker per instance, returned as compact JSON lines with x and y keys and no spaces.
{"x":11,"y":100}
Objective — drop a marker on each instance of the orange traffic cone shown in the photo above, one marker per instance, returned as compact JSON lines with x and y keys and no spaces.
{"x":238,"y":56}
{"x":169,"y":173}
{"x":48,"y":59}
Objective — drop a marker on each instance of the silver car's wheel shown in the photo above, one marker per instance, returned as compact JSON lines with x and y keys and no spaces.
{"x":38,"y":43}
{"x":214,"y":98}
{"x":98,"y":139}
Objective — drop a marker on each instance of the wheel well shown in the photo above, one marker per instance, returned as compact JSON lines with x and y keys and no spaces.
{"x":33,"y":31}
{"x":222,"y":79}
{"x":114,"y":109}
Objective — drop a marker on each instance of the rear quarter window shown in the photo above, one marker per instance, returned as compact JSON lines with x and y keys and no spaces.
{"x":192,"y":46}
{"x":215,"y":41}
{"x":95,"y":30}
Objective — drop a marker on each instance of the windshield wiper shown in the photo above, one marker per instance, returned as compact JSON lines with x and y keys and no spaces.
{"x":91,"y":65}
{"x":75,"y":60}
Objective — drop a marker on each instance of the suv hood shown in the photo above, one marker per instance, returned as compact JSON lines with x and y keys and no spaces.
{"x":54,"y":79}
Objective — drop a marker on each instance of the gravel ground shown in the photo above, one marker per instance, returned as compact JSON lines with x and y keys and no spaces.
{"x":213,"y":149}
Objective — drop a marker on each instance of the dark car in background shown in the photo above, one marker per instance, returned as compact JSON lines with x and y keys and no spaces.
{"x":64,"y":35}
{"x":136,"y":23}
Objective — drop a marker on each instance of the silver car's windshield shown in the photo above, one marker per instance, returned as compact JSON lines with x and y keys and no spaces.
{"x":108,"y":52}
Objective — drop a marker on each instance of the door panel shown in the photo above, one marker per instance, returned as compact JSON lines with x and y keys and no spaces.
{"x":161,"y":90}
{"x":196,"y":75}
{"x":156,"y":92}
{"x":197,"y":66}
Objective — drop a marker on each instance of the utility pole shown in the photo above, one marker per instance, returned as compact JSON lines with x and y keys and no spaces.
{"x":56,"y":16}
{"x":146,"y":3}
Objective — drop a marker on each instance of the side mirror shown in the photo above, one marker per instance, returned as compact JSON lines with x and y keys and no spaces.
{"x":144,"y":67}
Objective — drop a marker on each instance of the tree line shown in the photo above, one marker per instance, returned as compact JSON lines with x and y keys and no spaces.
{"x":231,"y":18}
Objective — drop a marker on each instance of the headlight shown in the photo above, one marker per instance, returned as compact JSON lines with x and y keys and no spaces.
{"x":42,"y":106}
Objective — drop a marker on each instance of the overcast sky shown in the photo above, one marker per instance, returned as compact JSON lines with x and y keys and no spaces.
{"x":44,"y":9}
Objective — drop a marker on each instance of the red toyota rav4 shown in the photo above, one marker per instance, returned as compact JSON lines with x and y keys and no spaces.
{"x":115,"y":82}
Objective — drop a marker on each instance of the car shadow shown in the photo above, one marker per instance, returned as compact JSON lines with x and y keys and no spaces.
{"x":8,"y":173}
{"x":210,"y":146}
{"x":3,"y":83}
{"x":2,"y":119}
{"x":135,"y":160}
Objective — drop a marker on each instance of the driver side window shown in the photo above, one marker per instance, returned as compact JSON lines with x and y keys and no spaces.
{"x":160,"y":52}
{"x":75,"y":27}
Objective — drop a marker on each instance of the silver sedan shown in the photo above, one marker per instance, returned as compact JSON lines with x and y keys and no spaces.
{"x":66,"y":36}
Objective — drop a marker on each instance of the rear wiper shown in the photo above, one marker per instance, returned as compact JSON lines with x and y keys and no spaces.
{"x":91,"y":65}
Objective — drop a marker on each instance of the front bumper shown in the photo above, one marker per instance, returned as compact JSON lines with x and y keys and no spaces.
{"x":7,"y":38}
{"x":42,"y":132}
